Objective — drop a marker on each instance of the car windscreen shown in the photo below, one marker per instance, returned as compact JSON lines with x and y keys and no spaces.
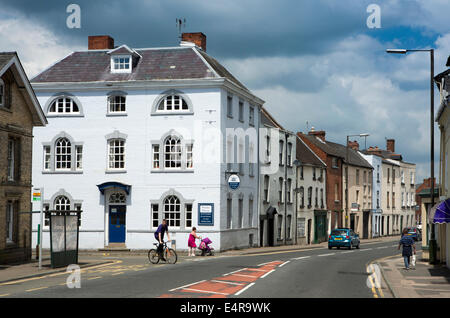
{"x":339,"y":232}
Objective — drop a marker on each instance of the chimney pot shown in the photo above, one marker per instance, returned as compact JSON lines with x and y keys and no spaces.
{"x":317,"y":133}
{"x":353,"y":144}
{"x":198,"y":38}
{"x":100,"y":42}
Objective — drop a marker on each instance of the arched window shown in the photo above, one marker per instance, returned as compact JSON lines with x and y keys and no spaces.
{"x":63,"y":154}
{"x":172,"y":210}
{"x":62,"y":203}
{"x":172,"y":152}
{"x":117,"y":197}
{"x":64,"y":105}
{"x":172,"y":102}
{"x":116,"y":104}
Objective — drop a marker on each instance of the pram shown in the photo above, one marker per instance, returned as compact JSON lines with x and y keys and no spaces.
{"x":205,"y":248}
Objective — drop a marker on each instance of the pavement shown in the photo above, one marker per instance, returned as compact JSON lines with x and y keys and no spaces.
{"x":424,"y":281}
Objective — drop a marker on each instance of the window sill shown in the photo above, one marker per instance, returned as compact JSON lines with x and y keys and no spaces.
{"x":63,"y":115}
{"x":172,"y":171}
{"x":63,"y":172}
{"x":118,"y":114}
{"x":115,"y":171}
{"x":174,"y":113}
{"x":5,"y":109}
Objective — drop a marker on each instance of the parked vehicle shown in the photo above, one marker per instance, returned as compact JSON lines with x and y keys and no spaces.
{"x":343,"y":237}
{"x":415,"y":233}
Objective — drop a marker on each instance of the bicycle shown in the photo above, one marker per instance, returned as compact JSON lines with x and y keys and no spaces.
{"x":169,"y":254}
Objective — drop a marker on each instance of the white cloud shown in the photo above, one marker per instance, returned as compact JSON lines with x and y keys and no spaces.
{"x":36,"y":45}
{"x":361,"y":90}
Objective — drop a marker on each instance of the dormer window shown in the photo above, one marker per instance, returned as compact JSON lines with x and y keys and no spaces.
{"x":121,"y":63}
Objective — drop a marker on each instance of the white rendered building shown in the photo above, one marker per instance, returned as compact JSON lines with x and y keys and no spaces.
{"x":138,"y":135}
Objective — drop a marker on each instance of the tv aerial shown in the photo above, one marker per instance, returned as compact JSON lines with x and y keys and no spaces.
{"x":181,"y":24}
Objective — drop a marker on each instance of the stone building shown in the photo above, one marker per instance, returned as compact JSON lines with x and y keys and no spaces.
{"x":19,"y":113}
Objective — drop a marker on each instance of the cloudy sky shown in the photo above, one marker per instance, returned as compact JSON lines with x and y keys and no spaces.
{"x":314,"y":62}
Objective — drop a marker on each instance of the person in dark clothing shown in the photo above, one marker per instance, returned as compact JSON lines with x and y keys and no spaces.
{"x":159,"y":236}
{"x":409,"y":247}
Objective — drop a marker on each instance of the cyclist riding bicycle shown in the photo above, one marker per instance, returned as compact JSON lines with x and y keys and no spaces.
{"x":159,"y":236}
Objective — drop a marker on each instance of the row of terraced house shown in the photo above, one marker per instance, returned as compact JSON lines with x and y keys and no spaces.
{"x":131,"y":136}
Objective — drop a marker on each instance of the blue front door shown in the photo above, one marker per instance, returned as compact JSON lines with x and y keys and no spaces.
{"x":117,"y":223}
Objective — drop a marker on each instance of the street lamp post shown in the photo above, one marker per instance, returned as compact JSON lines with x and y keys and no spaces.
{"x":432,"y":241}
{"x":346,"y":175}
{"x":297,"y":164}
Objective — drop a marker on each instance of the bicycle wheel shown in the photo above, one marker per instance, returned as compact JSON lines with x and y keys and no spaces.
{"x":153,"y":256}
{"x":170,"y":255}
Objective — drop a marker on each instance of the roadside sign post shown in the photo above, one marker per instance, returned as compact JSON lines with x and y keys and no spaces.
{"x":38,"y":194}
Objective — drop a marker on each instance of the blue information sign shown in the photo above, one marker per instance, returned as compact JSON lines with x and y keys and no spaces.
{"x":206,"y":214}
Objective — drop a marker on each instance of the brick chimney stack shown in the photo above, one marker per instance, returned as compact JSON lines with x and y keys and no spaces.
{"x":319,"y":133}
{"x":353,"y":144}
{"x":390,"y":145}
{"x":100,"y":42}
{"x":198,"y":38}
{"x":374,"y":151}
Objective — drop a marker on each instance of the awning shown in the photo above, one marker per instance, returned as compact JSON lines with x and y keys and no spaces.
{"x":440,"y":213}
{"x":106,"y":185}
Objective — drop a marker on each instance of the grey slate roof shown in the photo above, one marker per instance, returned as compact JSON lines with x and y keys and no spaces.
{"x":306,"y":155}
{"x":338,"y":150}
{"x":155,"y":64}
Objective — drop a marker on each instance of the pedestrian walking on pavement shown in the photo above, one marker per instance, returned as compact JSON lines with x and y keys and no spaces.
{"x":409,"y":247}
{"x":191,"y":241}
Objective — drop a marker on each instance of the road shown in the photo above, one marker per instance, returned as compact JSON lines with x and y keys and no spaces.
{"x":311,"y":273}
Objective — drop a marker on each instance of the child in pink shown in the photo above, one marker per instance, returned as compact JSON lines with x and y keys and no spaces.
{"x":191,"y":241}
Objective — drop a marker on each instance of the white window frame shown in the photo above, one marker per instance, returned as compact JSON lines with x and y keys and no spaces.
{"x":174,"y":154}
{"x":9,"y":226}
{"x":175,"y":100}
{"x":121,"y":60}
{"x":113,"y":104}
{"x":230,"y":106}
{"x":251,"y":116}
{"x":65,"y":164}
{"x":47,"y":158}
{"x":78,"y":157}
{"x":241,"y":111}
{"x":166,"y":210}
{"x":61,"y":203}
{"x":66,"y":109}
{"x":112,"y":163}
{"x":11,"y":159}
{"x":187,"y":212}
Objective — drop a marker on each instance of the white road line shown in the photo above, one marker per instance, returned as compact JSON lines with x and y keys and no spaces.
{"x":284,"y":263}
{"x":326,"y":254}
{"x":365,"y":249}
{"x":244,"y":289}
{"x":348,"y":252}
{"x":379,"y":248}
{"x":247,"y":275}
{"x":266,"y":274}
{"x":225,"y":282}
{"x":239,"y":270}
{"x":188,"y":285}
{"x":205,"y":291}
{"x":303,"y":257}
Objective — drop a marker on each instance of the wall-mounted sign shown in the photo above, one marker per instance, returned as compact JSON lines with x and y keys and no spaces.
{"x":36,"y":195}
{"x":206,"y":214}
{"x":234,"y":181}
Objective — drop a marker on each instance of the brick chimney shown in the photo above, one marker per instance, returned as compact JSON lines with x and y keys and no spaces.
{"x":198,"y":38}
{"x":390,"y":145}
{"x":374,"y":151}
{"x":353,"y":144}
{"x":319,"y":133}
{"x":100,"y":42}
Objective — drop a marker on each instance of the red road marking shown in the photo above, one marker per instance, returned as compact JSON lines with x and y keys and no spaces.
{"x":218,"y":287}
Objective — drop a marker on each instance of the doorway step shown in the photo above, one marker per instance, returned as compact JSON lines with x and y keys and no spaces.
{"x":115,"y":247}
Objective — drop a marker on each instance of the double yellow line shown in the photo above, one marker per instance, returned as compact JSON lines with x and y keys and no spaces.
{"x":376,"y":290}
